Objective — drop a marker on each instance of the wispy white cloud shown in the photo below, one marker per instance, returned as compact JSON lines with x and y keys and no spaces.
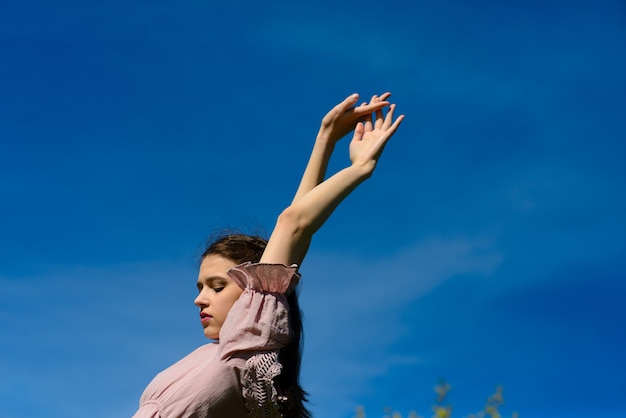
{"x":104,"y":332}
{"x":354,"y":308}
{"x":515,"y":126}
{"x":93,"y":333}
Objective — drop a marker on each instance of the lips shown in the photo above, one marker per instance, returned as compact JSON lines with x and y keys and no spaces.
{"x":205,"y":317}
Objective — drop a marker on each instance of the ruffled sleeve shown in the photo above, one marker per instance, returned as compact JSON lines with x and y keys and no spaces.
{"x":259,"y":320}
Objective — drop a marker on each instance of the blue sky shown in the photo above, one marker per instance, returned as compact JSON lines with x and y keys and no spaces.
{"x":487,"y":249}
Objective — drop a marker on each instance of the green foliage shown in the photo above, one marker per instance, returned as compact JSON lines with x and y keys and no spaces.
{"x":443,"y":409}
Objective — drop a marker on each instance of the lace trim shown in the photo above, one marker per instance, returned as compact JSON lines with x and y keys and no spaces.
{"x":259,"y":391}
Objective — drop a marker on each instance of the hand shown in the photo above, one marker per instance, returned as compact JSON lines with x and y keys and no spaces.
{"x":371,"y":136}
{"x":344,"y":117}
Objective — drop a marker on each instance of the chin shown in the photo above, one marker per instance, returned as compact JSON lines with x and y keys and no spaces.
{"x":211,"y":335}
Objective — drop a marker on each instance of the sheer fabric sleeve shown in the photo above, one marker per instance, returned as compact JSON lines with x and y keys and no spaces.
{"x":259,"y":320}
{"x":256,"y":328}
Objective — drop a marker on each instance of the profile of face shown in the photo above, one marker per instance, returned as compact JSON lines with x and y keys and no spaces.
{"x":217,"y":293}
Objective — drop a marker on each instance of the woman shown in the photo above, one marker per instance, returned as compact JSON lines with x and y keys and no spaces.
{"x":247,"y":297}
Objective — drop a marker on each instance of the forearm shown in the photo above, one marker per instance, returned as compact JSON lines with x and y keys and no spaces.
{"x":297,"y":224}
{"x":336,"y":124}
{"x":317,"y":165}
{"x":316,"y":199}
{"x":314,"y":208}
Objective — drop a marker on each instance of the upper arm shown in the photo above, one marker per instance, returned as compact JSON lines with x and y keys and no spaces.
{"x":289,"y":239}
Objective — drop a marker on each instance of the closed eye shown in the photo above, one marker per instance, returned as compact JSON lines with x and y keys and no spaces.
{"x":216,"y":284}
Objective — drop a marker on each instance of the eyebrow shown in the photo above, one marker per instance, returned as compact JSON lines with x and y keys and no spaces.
{"x":211,"y":280}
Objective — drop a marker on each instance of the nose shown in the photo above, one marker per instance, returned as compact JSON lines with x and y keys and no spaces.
{"x":202,"y":300}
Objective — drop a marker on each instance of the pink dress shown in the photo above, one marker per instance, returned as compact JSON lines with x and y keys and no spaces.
{"x":232,"y":377}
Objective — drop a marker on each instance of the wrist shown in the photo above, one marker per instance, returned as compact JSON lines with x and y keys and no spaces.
{"x":363,"y":169}
{"x":325,"y":141}
{"x":323,"y":135}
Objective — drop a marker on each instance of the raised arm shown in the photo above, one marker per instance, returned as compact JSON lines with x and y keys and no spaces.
{"x":297,"y":223}
{"x":335,"y":125}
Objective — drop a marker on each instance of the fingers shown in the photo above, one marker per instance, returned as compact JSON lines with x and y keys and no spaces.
{"x":388,"y":132}
{"x":389,"y":117}
{"x":360,"y":112}
{"x":392,"y":129}
{"x":349,"y":101}
{"x":359,"y":130}
{"x":346,"y":103}
{"x":396,"y":124}
{"x":372,"y":121}
{"x":383,"y":97}
{"x":340,"y":109}
{"x":367,"y":143}
{"x":345,"y":114}
{"x":376,"y":103}
{"x":379,"y":117}
{"x":368,"y":125}
{"x":377,"y":121}
{"x":387,"y":127}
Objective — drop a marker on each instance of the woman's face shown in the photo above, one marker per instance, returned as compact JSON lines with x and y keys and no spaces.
{"x":217,"y":293}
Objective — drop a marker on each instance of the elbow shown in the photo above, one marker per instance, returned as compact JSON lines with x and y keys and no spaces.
{"x":293,"y":221}
{"x":289,"y":240}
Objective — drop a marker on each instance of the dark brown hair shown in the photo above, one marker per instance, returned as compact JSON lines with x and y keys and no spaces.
{"x":241,"y":248}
